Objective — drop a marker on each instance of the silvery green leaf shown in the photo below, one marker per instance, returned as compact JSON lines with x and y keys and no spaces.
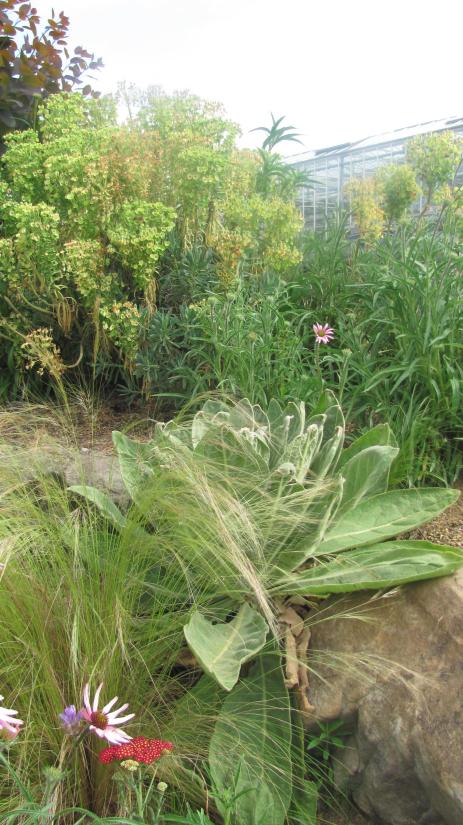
{"x":384,"y":516}
{"x":222,"y":648}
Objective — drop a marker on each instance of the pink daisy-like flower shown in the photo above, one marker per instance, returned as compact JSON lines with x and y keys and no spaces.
{"x":8,"y":724}
{"x":104,"y":723}
{"x":323,"y":333}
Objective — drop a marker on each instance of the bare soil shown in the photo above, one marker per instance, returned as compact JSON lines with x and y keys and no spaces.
{"x":446,"y":528}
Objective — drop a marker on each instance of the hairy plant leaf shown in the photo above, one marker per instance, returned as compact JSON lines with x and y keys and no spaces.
{"x":334,"y":419}
{"x":253,"y":731}
{"x":221,"y":649}
{"x":328,"y":456}
{"x":384,"y":516}
{"x":323,"y":512}
{"x":379,"y":436}
{"x":194,"y":711}
{"x":304,"y":804}
{"x":104,"y":503}
{"x":304,"y":800}
{"x":375,"y":567}
{"x":134,"y":460}
{"x":366,"y":474}
{"x":300,"y":452}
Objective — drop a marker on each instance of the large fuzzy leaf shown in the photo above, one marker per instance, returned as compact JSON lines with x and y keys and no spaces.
{"x":384,"y":516}
{"x":222,"y":648}
{"x":366,"y":474}
{"x":328,"y":456}
{"x":253,"y":733}
{"x":300,"y":452}
{"x":379,"y":436}
{"x":375,"y":567}
{"x":334,"y":419}
{"x":135,"y":460}
{"x":323,"y":512}
{"x":104,"y":503}
{"x":192,"y":713}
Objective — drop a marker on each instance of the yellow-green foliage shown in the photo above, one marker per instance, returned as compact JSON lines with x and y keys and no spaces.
{"x":386,"y":196}
{"x":138,"y":236}
{"x":83,"y":263}
{"x":121,"y":322}
{"x":266,"y":229}
{"x":365,"y":201}
{"x":35,"y":244}
{"x":399,"y":189}
{"x":435,"y":159}
{"x":88,"y":209}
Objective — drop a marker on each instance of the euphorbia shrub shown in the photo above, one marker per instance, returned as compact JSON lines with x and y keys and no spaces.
{"x":89,"y":209}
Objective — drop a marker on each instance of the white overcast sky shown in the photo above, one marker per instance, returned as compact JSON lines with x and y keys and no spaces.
{"x":338,"y":70}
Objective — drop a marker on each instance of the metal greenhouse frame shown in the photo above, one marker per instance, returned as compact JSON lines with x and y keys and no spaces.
{"x":332,"y":167}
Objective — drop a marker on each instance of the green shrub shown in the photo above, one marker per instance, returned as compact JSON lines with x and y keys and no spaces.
{"x":244,"y":343}
{"x":434,"y":159}
{"x":98,"y":214}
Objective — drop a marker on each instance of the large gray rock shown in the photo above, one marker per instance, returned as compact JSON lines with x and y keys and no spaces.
{"x":97,"y":470}
{"x":393,"y":669}
{"x":70,"y":466}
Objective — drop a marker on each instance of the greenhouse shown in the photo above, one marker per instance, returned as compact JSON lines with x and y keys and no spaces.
{"x":332,"y":167}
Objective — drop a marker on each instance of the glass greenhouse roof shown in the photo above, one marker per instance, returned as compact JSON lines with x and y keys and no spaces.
{"x":379,"y":140}
{"x":332,"y":167}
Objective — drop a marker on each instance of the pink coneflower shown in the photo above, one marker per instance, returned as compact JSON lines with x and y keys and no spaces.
{"x":104,"y":722}
{"x":323,"y":333}
{"x":8,"y":723}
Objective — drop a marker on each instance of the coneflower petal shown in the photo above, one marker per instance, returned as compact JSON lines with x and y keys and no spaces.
{"x":108,"y":707}
{"x":121,"y":720}
{"x":96,"y":698}
{"x":87,"y":698}
{"x":115,"y":713}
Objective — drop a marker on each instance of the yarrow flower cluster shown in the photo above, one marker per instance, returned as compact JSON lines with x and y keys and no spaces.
{"x":9,"y":724}
{"x":323,"y":333}
{"x":140,"y":749}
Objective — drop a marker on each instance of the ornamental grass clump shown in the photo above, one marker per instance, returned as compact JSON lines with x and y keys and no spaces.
{"x":132,"y":755}
{"x":10,"y":725}
{"x":195,"y":603}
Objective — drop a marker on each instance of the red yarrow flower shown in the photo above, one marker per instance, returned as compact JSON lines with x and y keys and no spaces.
{"x":323,"y":333}
{"x":140,"y":749}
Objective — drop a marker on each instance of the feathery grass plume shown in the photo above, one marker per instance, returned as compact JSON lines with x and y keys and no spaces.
{"x":231,"y":514}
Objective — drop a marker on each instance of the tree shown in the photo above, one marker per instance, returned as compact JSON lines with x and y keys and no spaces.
{"x":35,"y":62}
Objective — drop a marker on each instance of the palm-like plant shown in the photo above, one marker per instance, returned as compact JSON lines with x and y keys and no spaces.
{"x":277,"y":133}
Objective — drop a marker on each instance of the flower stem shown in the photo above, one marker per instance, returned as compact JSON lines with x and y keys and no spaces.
{"x":139,"y":794}
{"x":22,"y":788}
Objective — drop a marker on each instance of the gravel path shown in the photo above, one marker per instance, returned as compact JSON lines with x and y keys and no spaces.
{"x":446,"y":528}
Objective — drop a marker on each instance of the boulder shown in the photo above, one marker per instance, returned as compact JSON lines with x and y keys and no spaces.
{"x":69,"y":466}
{"x":392,"y":668}
{"x":97,"y":470}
